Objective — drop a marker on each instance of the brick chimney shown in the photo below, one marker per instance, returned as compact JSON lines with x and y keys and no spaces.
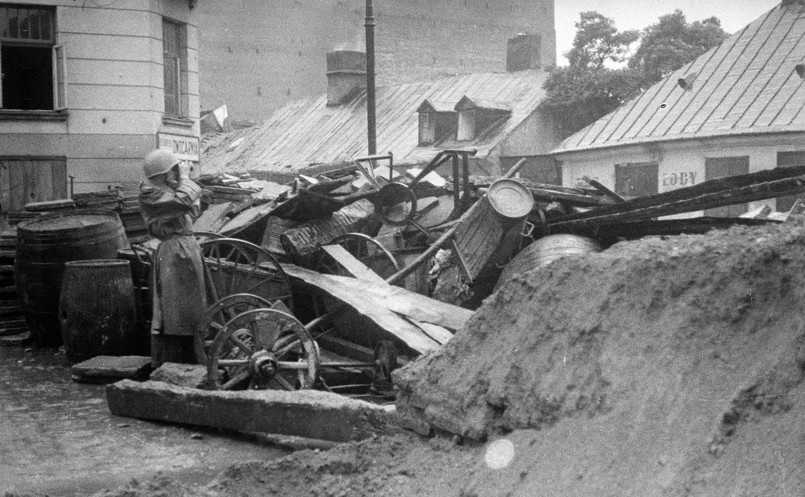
{"x":346,"y":75}
{"x":523,"y":53}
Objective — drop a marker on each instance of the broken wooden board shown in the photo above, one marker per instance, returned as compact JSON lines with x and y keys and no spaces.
{"x":744,"y":194}
{"x":352,"y":265}
{"x":246,"y":218}
{"x":391,"y":298}
{"x":213,"y":218}
{"x":304,"y":413}
{"x":713,"y":186}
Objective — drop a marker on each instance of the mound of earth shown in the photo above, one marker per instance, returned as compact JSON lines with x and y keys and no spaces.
{"x":661,"y":367}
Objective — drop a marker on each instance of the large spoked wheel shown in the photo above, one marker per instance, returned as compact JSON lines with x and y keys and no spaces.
{"x":218,"y":314}
{"x":236,"y":266}
{"x":263,"y":348}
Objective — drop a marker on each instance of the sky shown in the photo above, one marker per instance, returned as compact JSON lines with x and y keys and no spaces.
{"x":638,"y":14}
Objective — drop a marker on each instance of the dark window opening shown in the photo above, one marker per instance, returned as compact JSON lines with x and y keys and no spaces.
{"x":27,"y":77}
{"x":175,"y":68}
{"x":789,"y":159}
{"x":636,"y":180}
{"x":27,"y":36}
{"x":721,"y":167}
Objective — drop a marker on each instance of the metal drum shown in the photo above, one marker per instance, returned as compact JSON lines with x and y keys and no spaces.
{"x":545,"y":250}
{"x":98,"y":311}
{"x":44,"y":244}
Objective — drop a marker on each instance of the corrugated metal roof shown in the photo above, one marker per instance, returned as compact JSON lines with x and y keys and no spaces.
{"x":308,"y":132}
{"x":746,"y":85}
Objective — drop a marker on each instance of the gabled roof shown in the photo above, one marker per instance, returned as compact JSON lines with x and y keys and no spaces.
{"x":467,"y":102}
{"x":436,"y":106}
{"x":308,"y":132}
{"x":746,"y":85}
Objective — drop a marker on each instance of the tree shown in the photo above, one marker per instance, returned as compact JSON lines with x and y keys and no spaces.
{"x":672,"y":43}
{"x":597,"y":41}
{"x":588,"y":89}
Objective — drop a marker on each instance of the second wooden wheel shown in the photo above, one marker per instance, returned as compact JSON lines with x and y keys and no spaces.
{"x":263,"y":348}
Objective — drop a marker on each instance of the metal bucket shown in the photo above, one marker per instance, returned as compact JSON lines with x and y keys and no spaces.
{"x":510,"y":198}
{"x":546,"y":250}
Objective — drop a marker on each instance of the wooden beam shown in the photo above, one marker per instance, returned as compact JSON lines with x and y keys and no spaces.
{"x":741,"y":195}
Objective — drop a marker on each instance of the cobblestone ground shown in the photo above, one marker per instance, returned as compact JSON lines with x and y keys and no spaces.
{"x":57,"y":437}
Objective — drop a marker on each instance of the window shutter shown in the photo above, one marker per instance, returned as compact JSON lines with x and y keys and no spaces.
{"x":1,"y":76}
{"x":59,"y":77}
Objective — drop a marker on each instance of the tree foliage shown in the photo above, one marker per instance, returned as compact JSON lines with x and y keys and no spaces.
{"x":590,"y":87}
{"x":672,"y":43}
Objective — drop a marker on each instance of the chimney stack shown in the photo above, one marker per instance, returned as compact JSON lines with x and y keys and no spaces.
{"x":346,"y":75}
{"x":523,"y":53}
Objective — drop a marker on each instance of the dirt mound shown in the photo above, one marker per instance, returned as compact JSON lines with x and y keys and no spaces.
{"x":662,"y":367}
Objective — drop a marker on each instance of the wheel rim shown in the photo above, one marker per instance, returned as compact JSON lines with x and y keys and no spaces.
{"x":217,"y":315}
{"x":253,"y":342}
{"x":235,"y":266}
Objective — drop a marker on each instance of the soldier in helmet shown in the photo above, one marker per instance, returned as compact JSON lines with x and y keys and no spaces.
{"x":169,"y":202}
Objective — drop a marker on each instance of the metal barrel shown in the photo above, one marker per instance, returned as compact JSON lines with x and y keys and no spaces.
{"x":545,"y":250}
{"x":44,"y":245}
{"x":98,"y":311}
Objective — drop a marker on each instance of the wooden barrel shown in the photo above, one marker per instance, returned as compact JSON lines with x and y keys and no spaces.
{"x":545,"y":250}
{"x":98,"y":311}
{"x":44,"y":245}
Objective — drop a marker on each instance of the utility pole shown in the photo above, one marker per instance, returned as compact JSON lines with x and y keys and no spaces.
{"x":370,"y":78}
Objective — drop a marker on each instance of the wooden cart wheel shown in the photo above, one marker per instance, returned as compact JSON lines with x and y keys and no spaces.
{"x":263,"y":348}
{"x":236,"y":266}
{"x":365,"y":249}
{"x":217,"y":315}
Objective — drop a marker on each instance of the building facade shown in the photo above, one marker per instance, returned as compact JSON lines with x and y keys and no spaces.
{"x":493,"y":113}
{"x":257,"y":56}
{"x":88,"y":89}
{"x":737,"y":109}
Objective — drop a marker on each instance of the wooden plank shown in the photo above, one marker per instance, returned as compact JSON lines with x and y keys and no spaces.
{"x":355,"y":267}
{"x":352,"y":292}
{"x":394,"y":298}
{"x":750,"y":193}
{"x":707,"y":187}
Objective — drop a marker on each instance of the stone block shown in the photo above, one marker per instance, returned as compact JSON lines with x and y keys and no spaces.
{"x":302,"y":413}
{"x":102,"y":369}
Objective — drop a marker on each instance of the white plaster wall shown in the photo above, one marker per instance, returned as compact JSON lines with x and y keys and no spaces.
{"x":681,"y":163}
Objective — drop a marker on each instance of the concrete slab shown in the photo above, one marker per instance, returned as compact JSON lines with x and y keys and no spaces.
{"x":103,"y":368}
{"x":303,"y":413}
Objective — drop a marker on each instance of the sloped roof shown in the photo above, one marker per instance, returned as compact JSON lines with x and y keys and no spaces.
{"x":746,"y":85}
{"x":308,"y":132}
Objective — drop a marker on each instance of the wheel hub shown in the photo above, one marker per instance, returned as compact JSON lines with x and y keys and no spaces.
{"x":263,"y":364}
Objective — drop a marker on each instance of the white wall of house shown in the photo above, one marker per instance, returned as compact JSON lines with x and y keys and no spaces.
{"x":680,"y":163}
{"x":115,"y":108}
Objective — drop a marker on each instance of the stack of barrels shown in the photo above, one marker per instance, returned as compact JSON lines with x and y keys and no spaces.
{"x":73,"y":287}
{"x":12,"y":317}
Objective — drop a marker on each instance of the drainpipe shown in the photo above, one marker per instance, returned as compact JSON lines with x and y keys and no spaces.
{"x":370,"y":78}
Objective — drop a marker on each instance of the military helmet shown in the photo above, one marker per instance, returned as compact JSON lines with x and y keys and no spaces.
{"x":159,"y":162}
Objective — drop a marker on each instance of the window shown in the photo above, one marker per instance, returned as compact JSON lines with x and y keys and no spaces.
{"x":427,"y":128}
{"x":789,"y":159}
{"x":720,"y":167}
{"x":31,"y":63}
{"x":636,"y":180}
{"x":174,"y":60}
{"x":466,"y":125}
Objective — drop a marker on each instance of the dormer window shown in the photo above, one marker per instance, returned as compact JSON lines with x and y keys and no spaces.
{"x":436,"y":121}
{"x":466,"y":125}
{"x":475,"y":116}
